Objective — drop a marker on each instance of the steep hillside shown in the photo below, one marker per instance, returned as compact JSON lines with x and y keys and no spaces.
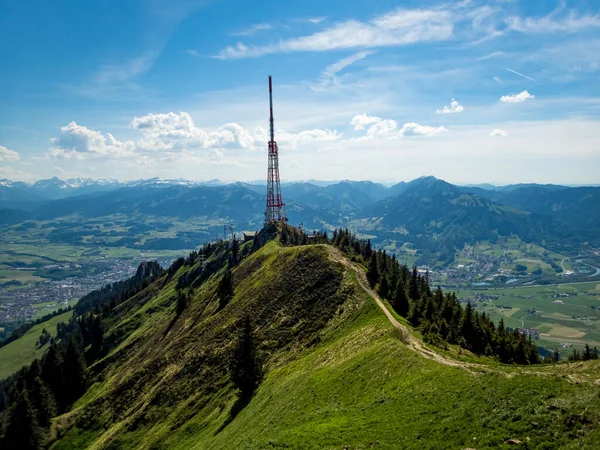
{"x":337,"y":371}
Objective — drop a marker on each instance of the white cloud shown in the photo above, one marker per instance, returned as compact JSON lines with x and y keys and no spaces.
{"x":294,"y":140}
{"x":78,"y":142}
{"x":497,"y":79}
{"x":454,"y":107}
{"x":315,"y":20}
{"x":517,"y":98}
{"x":253,"y":29}
{"x":8,"y":155}
{"x":414,"y":129}
{"x":498,"y":132}
{"x":177,"y":131}
{"x":383,"y":128}
{"x":174,"y":131}
{"x":361,"y":121}
{"x":388,"y":128}
{"x":174,"y":136}
{"x":399,"y":27}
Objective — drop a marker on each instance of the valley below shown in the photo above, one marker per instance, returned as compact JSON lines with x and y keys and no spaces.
{"x":54,"y":251}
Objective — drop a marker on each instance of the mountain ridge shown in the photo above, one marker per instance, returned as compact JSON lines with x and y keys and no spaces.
{"x":336,"y":371}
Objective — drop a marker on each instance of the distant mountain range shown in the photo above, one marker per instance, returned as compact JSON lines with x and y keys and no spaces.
{"x":434,"y":216}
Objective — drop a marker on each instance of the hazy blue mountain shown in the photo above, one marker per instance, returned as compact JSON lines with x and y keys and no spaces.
{"x":578,"y":206}
{"x":437,"y":215}
{"x":432,"y":214}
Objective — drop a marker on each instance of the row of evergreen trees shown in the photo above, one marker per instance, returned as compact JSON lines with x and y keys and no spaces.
{"x":587,"y":354}
{"x":39,"y":392}
{"x":439,"y":316}
{"x":49,"y":386}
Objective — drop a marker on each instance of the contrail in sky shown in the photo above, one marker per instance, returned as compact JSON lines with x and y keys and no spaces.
{"x":520,"y":74}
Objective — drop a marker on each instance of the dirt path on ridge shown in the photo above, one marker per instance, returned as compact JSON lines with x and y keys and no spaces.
{"x":412,"y":342}
{"x":416,"y":345}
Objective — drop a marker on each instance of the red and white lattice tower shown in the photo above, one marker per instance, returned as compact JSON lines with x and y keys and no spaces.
{"x":275,"y":211}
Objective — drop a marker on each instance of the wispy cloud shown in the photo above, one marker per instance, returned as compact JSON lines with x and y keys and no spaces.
{"x":517,"y":98}
{"x":491,"y":55}
{"x":132,"y":68}
{"x":497,"y":132}
{"x":520,"y":74}
{"x":328,"y":74}
{"x":315,"y":20}
{"x":252,"y":30}
{"x":400,"y":27}
{"x":117,"y":81}
{"x":571,"y":22}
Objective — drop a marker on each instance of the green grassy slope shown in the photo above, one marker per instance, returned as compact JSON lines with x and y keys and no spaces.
{"x":336,"y":375}
{"x":24,"y":350}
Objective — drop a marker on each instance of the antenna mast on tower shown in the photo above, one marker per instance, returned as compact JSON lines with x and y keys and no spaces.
{"x":275,"y":211}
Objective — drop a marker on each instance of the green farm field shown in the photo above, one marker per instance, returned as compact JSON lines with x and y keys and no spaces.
{"x":563,"y":314}
{"x":25,"y":349}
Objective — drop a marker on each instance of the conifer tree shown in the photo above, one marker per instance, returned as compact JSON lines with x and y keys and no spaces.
{"x":97,"y":334}
{"x":400,"y":302}
{"x":413,"y":291}
{"x":225,"y":289}
{"x":368,"y":250}
{"x":51,"y":370}
{"x":373,"y":272}
{"x":384,"y":287}
{"x":43,"y":401}
{"x":245,"y":368}
{"x":235,"y":248}
{"x":467,"y":326}
{"x":73,"y":374}
{"x":22,"y":432}
{"x":587,"y":353}
{"x":182,"y":302}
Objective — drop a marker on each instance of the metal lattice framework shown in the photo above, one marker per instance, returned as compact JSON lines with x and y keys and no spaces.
{"x":275,"y":211}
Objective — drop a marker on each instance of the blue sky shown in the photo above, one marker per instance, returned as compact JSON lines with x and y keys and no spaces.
{"x":498,"y":91}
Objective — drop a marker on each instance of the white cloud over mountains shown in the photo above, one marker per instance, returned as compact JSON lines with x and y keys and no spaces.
{"x":454,"y":107}
{"x":174,"y":135}
{"x":378,"y":128}
{"x":8,"y":155}
{"x":517,"y":98}
{"x":78,"y":142}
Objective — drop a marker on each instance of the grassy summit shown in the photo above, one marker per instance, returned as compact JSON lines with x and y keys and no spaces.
{"x":336,"y":371}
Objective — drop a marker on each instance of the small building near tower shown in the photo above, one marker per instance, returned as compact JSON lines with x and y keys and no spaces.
{"x":248,"y":235}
